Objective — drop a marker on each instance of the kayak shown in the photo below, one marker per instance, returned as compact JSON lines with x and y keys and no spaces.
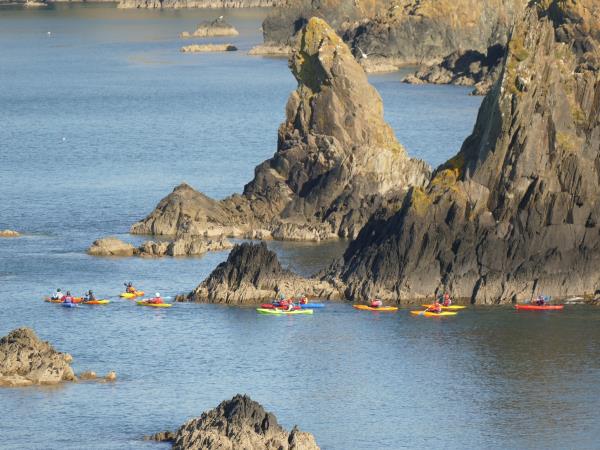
{"x":381,"y":308}
{"x":539,"y":307}
{"x":96,"y":302}
{"x":278,"y":312}
{"x":273,"y":306}
{"x":154,"y":305}
{"x":312,"y":305}
{"x":75,"y":300}
{"x":432,"y":314}
{"x":447,"y":308}
{"x":131,"y":295}
{"x":69,"y":305}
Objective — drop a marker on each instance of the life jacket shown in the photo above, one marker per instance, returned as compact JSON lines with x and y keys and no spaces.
{"x":68,"y":299}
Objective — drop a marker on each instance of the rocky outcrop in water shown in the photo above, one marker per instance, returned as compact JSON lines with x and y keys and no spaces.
{"x":212,"y":28}
{"x":9,"y":234}
{"x":337,"y":160}
{"x":271,"y":50}
{"x":212,"y":4}
{"x":25,"y":360}
{"x":384,"y":34}
{"x":251,"y":275}
{"x":181,"y":246}
{"x":239,"y":423}
{"x":208,"y":48}
{"x":516,"y":212}
{"x":464,"y":68}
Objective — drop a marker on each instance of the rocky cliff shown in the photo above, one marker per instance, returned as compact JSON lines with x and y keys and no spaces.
{"x":516,"y":212}
{"x":337,"y":160}
{"x":401,"y":31}
{"x":239,"y":423}
{"x":182,"y":246}
{"x":252,"y":275}
{"x":25,"y":360}
{"x":213,"y":4}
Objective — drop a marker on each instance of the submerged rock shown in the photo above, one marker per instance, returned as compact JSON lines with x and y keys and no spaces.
{"x":464,"y":68}
{"x":516,"y":213}
{"x":181,"y":246}
{"x":25,"y":360}
{"x":9,"y":234}
{"x":252,"y":274}
{"x":239,"y":423}
{"x":214,"y":28}
{"x":208,"y":48}
{"x":271,"y":50}
{"x":337,"y":160}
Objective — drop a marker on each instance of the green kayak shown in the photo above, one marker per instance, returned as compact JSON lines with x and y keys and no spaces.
{"x":278,"y":312}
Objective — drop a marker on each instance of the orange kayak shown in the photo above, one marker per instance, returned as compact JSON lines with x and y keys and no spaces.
{"x":540,"y":307}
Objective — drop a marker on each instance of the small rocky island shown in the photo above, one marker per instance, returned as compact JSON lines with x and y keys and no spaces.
{"x":25,"y":360}
{"x":208,"y":48}
{"x":181,"y":246}
{"x":252,"y":274}
{"x":337,"y":160}
{"x":239,"y":423}
{"x":214,"y":28}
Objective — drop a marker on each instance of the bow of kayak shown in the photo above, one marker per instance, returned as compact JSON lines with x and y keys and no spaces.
{"x":96,"y":302}
{"x":312,"y":305}
{"x":381,"y":308}
{"x":278,"y":312}
{"x":131,"y":295}
{"x":432,"y":314}
{"x":540,"y":307}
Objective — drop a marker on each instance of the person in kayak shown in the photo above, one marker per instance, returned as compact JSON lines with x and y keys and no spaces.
{"x":58,"y":295}
{"x":157,"y":300}
{"x":129,"y":288}
{"x":68,"y":298}
{"x":435,"y":308}
{"x":540,"y":301}
{"x":89,"y":297}
{"x":376,"y":303}
{"x":303,"y":300}
{"x":290,"y":305}
{"x":447,"y":301}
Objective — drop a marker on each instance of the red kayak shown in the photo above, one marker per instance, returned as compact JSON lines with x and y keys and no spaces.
{"x":272,"y":306}
{"x":540,"y":308}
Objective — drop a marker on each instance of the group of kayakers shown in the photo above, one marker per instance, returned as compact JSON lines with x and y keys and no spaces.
{"x":89,"y":296}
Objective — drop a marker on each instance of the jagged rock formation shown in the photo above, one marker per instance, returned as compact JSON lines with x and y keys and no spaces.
{"x":212,"y":28}
{"x":391,"y":33}
{"x":9,"y":234}
{"x":251,"y":275}
{"x":516,"y":212}
{"x":182,"y":246}
{"x":208,"y":48}
{"x":25,"y":360}
{"x":337,"y":160}
{"x":464,"y":68}
{"x":239,"y":423}
{"x":212,"y":4}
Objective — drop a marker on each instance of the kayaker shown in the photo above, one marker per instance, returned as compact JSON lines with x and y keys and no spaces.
{"x":129,"y":288}
{"x":290,"y":305}
{"x":376,"y":303}
{"x":68,"y":298}
{"x":540,"y":301}
{"x":447,"y":300}
{"x":435,"y":308}
{"x":157,"y":300}
{"x":89,"y":297}
{"x":303,"y":300}
{"x":58,"y":295}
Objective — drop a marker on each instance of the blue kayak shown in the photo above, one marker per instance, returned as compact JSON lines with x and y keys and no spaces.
{"x":312,"y":305}
{"x":69,"y":305}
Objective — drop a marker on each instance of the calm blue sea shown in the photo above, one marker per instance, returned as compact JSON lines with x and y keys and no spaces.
{"x":100,"y":117}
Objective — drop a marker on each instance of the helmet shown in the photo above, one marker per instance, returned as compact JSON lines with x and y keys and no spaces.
{"x":157,"y":295}
{"x":57,"y":290}
{"x":68,"y":292}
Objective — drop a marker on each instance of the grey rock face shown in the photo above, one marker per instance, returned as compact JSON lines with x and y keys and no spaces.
{"x":239,"y":423}
{"x":25,"y":360}
{"x":252,"y":274}
{"x":464,"y":68}
{"x":337,"y":160}
{"x":516,"y":212}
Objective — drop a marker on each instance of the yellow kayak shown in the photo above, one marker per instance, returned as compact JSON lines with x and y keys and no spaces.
{"x":447,"y":308}
{"x":131,"y":295}
{"x":279,"y":312}
{"x":381,"y":308}
{"x":432,"y":314}
{"x":154,"y":305}
{"x":96,"y":302}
